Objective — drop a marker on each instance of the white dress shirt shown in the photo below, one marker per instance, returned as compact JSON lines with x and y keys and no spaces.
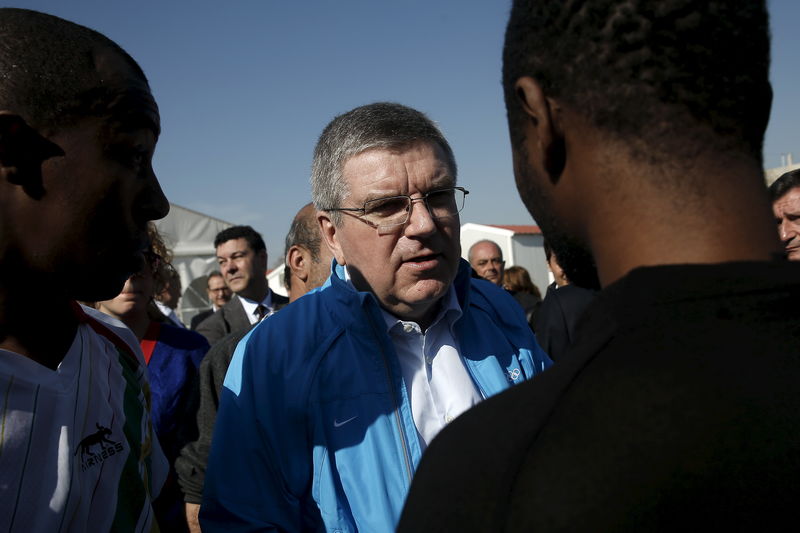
{"x":169,"y":313}
{"x":437,"y":381}
{"x":251,"y":307}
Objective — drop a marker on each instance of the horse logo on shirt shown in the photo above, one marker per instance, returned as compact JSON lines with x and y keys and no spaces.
{"x":99,"y":437}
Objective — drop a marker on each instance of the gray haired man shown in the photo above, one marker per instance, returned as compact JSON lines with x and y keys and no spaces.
{"x":327,"y":431}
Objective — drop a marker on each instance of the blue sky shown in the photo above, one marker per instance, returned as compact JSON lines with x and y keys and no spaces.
{"x":246,"y":86}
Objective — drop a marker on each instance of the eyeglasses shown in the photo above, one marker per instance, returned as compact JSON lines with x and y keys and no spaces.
{"x":394,"y":211}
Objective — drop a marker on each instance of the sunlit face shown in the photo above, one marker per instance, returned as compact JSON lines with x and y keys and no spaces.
{"x":218,"y":293}
{"x":244,"y":269}
{"x":787,"y":216}
{"x":487,"y":260}
{"x":89,"y":228}
{"x":408,"y":269}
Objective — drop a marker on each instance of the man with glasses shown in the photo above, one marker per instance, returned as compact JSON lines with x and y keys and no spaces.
{"x":486,"y":258}
{"x":328,"y":405}
{"x":218,"y":294}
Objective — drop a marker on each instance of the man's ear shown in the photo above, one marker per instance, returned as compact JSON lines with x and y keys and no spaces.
{"x":329,"y":233}
{"x":22,"y":152}
{"x":298,"y":261}
{"x":544,"y":132}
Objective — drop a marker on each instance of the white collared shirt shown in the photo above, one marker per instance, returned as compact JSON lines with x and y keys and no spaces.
{"x":169,"y":313}
{"x":251,"y":306}
{"x":437,"y":381}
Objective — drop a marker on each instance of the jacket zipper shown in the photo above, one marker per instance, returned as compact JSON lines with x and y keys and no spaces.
{"x":403,"y":438}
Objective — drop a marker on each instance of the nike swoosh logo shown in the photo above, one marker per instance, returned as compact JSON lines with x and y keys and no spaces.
{"x":338,"y":424}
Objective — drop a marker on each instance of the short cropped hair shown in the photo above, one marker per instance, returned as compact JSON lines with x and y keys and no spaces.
{"x":379,"y":125}
{"x":47,"y":70}
{"x":497,"y":246}
{"x":658,"y":74}
{"x":784,"y":184}
{"x":304,"y":232}
{"x":213,"y":274}
{"x":252,"y":237}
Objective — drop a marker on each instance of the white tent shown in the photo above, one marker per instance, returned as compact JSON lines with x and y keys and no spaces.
{"x":190,"y":236}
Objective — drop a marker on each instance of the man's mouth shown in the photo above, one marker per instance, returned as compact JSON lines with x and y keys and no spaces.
{"x":424,"y":262}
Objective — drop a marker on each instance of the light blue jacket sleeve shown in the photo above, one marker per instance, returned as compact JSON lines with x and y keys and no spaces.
{"x":246,"y":485}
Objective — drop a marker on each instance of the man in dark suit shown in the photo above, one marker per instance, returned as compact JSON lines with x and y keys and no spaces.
{"x":558,"y":317}
{"x":308,"y":261}
{"x":242,"y":258}
{"x":218,"y":294}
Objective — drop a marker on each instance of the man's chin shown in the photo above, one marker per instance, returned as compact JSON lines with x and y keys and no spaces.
{"x":99,"y":288}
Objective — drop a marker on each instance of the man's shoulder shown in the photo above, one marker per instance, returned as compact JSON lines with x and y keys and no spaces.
{"x":297,"y":331}
{"x":200,"y":317}
{"x":496,"y":303}
{"x":223,"y":315}
{"x":278,"y":300}
{"x":118,"y":330}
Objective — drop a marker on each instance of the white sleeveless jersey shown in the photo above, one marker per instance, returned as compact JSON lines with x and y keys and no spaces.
{"x":77,"y":450}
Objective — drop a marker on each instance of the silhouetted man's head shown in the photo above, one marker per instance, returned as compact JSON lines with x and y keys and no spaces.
{"x":78,"y":127}
{"x":665,"y":81}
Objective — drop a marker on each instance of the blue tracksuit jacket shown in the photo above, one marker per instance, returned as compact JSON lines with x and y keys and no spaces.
{"x":314,"y":430}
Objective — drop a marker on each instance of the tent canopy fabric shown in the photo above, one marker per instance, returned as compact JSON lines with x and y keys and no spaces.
{"x":190,"y":235}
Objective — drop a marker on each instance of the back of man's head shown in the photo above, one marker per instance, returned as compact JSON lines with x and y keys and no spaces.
{"x":49,"y":75}
{"x":253,"y":238}
{"x":664,"y":76}
{"x":307,"y":271}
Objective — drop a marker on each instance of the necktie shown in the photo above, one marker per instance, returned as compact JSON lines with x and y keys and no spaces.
{"x":261,"y":312}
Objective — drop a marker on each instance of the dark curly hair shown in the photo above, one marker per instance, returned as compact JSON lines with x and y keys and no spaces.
{"x":660,"y":75}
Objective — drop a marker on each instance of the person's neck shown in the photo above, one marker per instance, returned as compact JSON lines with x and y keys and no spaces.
{"x":722,"y":215}
{"x":255,"y":294}
{"x":23,"y":317}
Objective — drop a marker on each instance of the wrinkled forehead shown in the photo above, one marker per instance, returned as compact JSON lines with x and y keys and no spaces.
{"x":442,"y":172}
{"x":234,"y":246}
{"x":215,"y":282}
{"x":487,"y":250}
{"x":788,"y":203}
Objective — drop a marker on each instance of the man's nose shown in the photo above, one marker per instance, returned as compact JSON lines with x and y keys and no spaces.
{"x":153,"y":202}
{"x":786,"y":231}
{"x":420,"y":221}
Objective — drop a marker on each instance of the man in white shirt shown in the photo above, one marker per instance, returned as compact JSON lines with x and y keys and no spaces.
{"x":168,"y":297}
{"x":78,"y":127}
{"x":242,"y":259}
{"x":328,"y":405}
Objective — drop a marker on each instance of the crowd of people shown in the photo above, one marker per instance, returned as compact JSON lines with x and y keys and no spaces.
{"x":399,"y":386}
